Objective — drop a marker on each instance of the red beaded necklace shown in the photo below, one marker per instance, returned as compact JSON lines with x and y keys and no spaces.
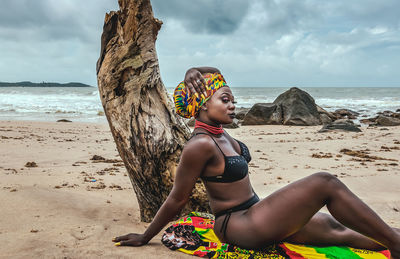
{"x":209,"y":128}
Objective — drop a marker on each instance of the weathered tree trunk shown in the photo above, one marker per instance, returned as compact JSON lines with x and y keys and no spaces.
{"x":148,"y":134}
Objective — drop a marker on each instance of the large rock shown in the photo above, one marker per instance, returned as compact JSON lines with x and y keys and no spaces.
{"x":298,"y":108}
{"x":293,"y":107}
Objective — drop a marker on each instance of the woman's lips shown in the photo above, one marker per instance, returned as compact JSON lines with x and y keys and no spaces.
{"x":232,"y":115}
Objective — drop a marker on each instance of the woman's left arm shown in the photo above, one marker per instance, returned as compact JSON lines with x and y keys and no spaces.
{"x":193,"y":159}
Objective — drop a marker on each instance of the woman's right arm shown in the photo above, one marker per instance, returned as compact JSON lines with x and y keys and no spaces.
{"x":195,"y":156}
{"x":194,"y":79}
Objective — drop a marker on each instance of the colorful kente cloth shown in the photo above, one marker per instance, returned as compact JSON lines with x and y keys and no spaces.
{"x":189,"y":106}
{"x":194,"y":235}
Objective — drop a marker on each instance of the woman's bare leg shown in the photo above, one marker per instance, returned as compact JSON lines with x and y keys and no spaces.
{"x":324,"y":230}
{"x":289,"y":209}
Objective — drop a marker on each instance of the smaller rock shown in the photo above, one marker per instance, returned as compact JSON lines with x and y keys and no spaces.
{"x":31,"y":164}
{"x":369,"y":121}
{"x":260,"y":114}
{"x":342,"y":113}
{"x":396,"y":115}
{"x":97,"y":157}
{"x":322,"y":111}
{"x":341,"y":121}
{"x":64,"y":120}
{"x":386,"y":113}
{"x":241,"y":112}
{"x":387,"y":121}
{"x":346,"y":112}
{"x":233,"y":125}
{"x":339,"y":126}
{"x":325,"y":118}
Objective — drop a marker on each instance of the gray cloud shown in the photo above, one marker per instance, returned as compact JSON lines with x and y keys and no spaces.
{"x":285,"y":16}
{"x":203,"y":16}
{"x":52,"y":20}
{"x":367,"y":12}
{"x":23,"y":13}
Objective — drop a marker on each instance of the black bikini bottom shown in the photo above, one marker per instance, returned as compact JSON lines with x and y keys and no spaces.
{"x":243,"y":206}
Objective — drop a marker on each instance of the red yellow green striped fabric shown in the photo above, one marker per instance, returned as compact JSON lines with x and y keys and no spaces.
{"x":194,"y":235}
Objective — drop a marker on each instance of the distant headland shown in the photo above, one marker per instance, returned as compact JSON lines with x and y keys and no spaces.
{"x":42,"y":84}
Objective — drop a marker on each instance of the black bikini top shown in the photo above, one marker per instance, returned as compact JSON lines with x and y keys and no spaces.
{"x":236,"y":167}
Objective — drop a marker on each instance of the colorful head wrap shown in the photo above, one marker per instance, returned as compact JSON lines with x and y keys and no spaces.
{"x":189,"y":106}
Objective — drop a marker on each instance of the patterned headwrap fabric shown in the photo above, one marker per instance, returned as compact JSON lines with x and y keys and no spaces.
{"x":189,"y":106}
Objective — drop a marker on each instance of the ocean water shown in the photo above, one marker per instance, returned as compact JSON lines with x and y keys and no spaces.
{"x":83,"y":104}
{"x":51,"y":104}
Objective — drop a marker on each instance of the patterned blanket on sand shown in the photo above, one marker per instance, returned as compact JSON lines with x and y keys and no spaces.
{"x":194,"y":234}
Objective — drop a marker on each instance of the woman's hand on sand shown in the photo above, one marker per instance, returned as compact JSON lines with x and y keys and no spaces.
{"x":131,"y":239}
{"x":194,"y":82}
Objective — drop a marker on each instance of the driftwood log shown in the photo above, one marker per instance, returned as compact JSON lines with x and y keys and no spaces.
{"x":148,"y":134}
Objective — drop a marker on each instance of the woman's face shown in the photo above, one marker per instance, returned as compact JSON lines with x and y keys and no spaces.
{"x":221,"y":106}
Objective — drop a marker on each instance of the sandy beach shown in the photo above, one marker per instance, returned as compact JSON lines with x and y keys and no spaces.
{"x":65,"y":205}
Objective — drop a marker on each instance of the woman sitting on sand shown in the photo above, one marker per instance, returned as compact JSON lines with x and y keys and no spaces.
{"x":241,"y":218}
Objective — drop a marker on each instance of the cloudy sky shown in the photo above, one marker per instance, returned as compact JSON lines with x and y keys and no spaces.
{"x":254,"y":43}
